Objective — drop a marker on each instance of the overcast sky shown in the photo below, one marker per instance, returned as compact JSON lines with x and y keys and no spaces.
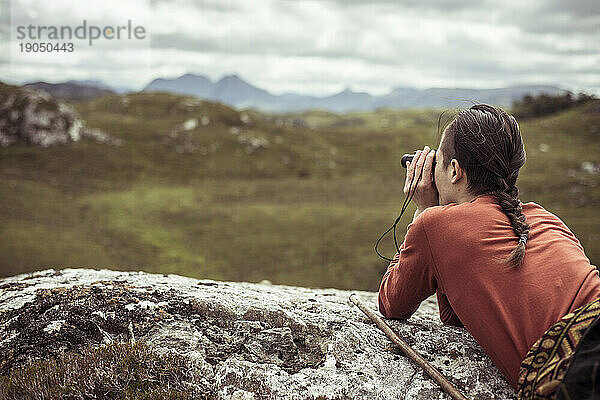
{"x":322,"y":47}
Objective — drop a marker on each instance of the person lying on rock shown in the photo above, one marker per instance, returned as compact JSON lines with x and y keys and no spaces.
{"x":512,"y":274}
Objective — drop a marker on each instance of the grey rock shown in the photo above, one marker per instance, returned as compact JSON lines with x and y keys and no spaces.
{"x":249,"y":341}
{"x":34,"y":117}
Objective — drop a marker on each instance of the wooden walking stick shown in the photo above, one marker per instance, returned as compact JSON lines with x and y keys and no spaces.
{"x":406,"y":349}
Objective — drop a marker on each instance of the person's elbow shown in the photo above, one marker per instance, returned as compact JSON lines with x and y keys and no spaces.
{"x":393,"y":310}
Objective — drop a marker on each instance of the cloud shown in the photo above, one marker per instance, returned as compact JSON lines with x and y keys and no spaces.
{"x":322,"y":46}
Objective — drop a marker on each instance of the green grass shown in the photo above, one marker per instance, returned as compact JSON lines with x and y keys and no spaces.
{"x":310,"y":233}
{"x":305,"y":209}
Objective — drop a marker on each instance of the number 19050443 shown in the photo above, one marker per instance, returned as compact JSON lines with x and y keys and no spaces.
{"x":46,"y":47}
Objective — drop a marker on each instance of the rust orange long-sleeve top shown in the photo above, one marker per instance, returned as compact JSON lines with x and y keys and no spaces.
{"x":451,"y":250}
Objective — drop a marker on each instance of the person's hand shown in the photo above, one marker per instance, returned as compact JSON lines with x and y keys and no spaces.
{"x":425,"y":192}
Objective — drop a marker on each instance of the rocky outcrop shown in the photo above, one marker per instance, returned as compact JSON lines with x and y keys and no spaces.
{"x":34,"y":117}
{"x":247,"y":341}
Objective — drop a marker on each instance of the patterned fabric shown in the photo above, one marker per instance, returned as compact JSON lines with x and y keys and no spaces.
{"x":544,"y":366}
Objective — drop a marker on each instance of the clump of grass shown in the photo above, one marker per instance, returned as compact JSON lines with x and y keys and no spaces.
{"x":115,"y":371}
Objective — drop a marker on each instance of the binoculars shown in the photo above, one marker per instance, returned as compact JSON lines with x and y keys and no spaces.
{"x":409,"y":157}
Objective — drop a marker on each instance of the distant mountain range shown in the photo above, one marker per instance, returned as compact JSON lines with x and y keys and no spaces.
{"x":73,"y":90}
{"x":233,"y":90}
{"x":77,"y":90}
{"x":236,"y":92}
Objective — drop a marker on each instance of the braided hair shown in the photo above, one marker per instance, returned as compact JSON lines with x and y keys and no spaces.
{"x":487,"y":143}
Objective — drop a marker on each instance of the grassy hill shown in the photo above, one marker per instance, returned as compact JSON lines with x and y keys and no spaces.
{"x":200,"y":189}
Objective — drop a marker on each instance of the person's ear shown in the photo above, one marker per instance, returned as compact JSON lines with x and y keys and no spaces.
{"x":456,"y":171}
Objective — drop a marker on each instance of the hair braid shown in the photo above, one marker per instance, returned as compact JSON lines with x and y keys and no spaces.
{"x":508,"y":199}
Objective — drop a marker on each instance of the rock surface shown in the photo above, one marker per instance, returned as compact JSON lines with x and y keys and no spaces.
{"x":31,"y":116}
{"x":250,"y":341}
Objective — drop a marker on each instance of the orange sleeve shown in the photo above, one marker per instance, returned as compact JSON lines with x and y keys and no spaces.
{"x":409,"y":278}
{"x":447,"y":315}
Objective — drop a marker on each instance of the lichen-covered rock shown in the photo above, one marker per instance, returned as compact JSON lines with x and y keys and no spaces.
{"x":247,"y":341}
{"x":31,"y":116}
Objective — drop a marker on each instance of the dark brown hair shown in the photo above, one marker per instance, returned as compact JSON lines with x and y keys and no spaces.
{"x":487,"y":143}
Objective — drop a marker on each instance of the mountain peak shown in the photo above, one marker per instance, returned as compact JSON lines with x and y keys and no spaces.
{"x":194,"y":76}
{"x":231,"y":78}
{"x":188,"y":84}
